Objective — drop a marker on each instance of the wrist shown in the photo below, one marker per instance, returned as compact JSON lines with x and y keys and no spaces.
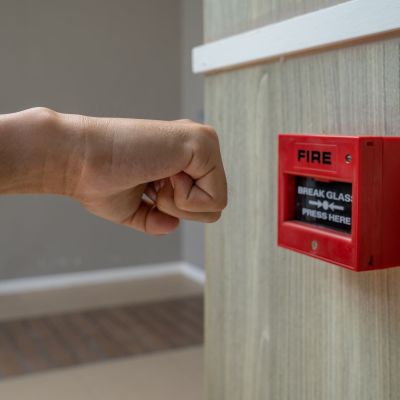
{"x":38,"y":153}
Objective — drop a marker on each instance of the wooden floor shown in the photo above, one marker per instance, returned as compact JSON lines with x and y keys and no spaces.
{"x":40,"y":344}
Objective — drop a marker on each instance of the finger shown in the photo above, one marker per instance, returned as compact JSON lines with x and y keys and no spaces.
{"x":206,"y":194}
{"x":166,"y":203}
{"x":149,"y":219}
{"x":208,"y":190}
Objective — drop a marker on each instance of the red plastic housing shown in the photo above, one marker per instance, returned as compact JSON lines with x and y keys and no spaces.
{"x":372,"y":166}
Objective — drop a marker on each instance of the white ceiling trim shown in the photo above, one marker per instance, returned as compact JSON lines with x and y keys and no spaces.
{"x":345,"y":22}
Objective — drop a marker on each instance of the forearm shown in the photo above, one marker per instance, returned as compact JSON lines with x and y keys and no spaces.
{"x":37,"y":154}
{"x":43,"y":151}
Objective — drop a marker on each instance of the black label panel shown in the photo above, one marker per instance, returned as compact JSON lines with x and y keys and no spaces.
{"x":324,"y":203}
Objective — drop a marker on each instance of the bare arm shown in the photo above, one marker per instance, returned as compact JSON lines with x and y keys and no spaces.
{"x":108,"y":164}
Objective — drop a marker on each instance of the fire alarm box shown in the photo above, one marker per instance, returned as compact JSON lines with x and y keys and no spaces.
{"x":339,"y":199}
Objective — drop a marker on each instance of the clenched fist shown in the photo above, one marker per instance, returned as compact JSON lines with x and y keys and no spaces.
{"x":141,"y":173}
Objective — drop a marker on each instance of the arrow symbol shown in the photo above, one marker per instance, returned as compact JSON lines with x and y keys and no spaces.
{"x":315,"y":203}
{"x":325,"y":205}
{"x":334,"y":207}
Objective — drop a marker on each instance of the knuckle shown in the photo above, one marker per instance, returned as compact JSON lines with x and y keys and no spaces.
{"x":209,"y":129}
{"x":204,"y":141}
{"x":209,"y":132}
{"x":205,"y":132}
{"x":202,"y":138}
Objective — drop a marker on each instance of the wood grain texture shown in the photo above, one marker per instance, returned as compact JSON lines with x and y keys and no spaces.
{"x":227,"y":17}
{"x":279,"y":325}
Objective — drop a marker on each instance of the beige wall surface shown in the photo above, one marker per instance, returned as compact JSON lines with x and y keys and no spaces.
{"x":97,"y":57}
{"x":280,"y":325}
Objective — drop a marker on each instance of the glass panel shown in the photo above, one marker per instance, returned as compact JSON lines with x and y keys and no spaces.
{"x":326,"y":204}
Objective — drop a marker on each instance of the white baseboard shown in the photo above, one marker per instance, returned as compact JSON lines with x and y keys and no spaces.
{"x":112,"y":275}
{"x":193,"y":273}
{"x":36,"y":296}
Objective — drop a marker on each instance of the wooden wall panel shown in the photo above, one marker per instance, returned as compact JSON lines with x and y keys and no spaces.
{"x":228,"y":17}
{"x":280,"y":325}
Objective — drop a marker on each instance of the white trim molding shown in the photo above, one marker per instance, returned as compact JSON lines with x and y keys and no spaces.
{"x":193,"y":273}
{"x":43,"y":295}
{"x":100,"y":277}
{"x":349,"y":21}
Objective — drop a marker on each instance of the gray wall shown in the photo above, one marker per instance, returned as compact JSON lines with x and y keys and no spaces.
{"x":192,"y":107}
{"x":98,"y":57}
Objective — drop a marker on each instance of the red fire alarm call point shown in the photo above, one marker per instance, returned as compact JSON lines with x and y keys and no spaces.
{"x":339,"y":199}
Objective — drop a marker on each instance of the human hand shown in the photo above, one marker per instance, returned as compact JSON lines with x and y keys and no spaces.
{"x":141,"y":173}
{"x":146,"y":174}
